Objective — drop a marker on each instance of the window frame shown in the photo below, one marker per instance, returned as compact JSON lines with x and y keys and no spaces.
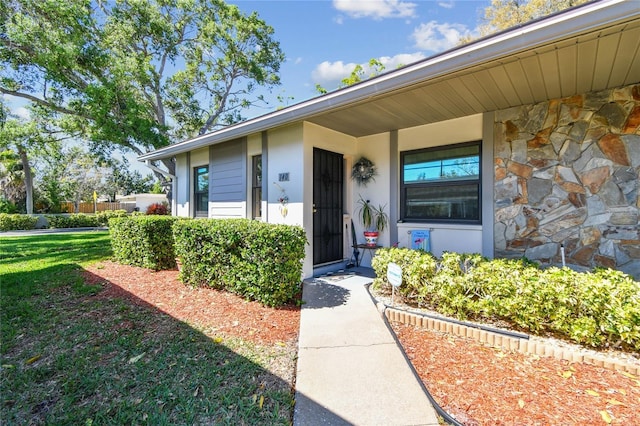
{"x":198,"y":194}
{"x":444,"y":184}
{"x":256,"y":187}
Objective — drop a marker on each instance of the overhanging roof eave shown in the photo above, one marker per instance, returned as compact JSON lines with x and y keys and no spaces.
{"x":559,"y":27}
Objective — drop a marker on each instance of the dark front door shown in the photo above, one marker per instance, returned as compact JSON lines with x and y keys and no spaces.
{"x":327,"y":206}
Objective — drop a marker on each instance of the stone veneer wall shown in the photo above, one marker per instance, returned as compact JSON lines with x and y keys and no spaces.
{"x":566,"y":172}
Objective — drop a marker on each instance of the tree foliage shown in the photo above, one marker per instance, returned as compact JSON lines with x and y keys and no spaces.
{"x":70,"y":174}
{"x":359,"y":73}
{"x":20,"y":140}
{"x":123,"y":181}
{"x":132,"y":74}
{"x":504,"y":14}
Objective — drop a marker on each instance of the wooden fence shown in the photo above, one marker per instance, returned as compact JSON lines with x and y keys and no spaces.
{"x":90,"y":208}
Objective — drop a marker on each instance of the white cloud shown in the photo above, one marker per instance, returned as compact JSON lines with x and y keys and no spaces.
{"x":330,"y":74}
{"x":376,"y":9}
{"x":392,"y":62}
{"x":446,"y":4}
{"x":436,"y":37}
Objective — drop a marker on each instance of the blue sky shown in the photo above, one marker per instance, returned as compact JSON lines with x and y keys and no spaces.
{"x":325,"y":39}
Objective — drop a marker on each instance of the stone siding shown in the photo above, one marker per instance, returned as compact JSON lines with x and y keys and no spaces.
{"x":566,"y":173}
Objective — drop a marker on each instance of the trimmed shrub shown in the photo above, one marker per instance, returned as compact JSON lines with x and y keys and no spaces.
{"x":145,"y":241}
{"x":158,"y":208}
{"x":599,"y":308}
{"x":75,"y":220}
{"x":104,"y":216}
{"x":11,"y":222}
{"x":418,"y":268}
{"x":256,"y":260}
{"x":7,"y":206}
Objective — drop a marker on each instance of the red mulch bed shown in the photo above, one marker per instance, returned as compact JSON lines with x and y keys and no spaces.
{"x":215,"y":313}
{"x":478,"y":384}
{"x":483,"y":385}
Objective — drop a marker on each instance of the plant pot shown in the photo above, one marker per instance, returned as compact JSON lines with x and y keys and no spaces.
{"x":371,"y":238}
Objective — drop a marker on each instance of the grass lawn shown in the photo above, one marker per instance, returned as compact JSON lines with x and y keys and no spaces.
{"x":72,"y":356}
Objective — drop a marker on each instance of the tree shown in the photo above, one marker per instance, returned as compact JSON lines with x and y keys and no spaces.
{"x":136,"y":75}
{"x":375,"y":67}
{"x":19,"y":137}
{"x":70,"y":173}
{"x":12,"y":192}
{"x":358,"y":74}
{"x":122,"y":181}
{"x":503,"y":14}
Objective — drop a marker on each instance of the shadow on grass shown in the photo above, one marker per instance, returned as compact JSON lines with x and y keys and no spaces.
{"x":85,"y":354}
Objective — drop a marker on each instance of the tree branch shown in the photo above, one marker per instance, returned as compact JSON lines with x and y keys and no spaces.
{"x":42,"y":102}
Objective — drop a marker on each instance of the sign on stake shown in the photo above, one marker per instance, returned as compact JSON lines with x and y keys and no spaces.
{"x":394,"y":276}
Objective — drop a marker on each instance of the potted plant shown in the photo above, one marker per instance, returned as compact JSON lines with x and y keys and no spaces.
{"x":374,"y":220}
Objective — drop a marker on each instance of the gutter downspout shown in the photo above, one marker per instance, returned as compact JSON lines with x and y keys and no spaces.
{"x":174,"y":184}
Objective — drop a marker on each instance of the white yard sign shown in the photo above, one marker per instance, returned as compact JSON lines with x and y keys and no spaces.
{"x":394,"y":276}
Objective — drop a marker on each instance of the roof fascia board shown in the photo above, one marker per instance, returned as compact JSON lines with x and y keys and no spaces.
{"x":526,"y":37}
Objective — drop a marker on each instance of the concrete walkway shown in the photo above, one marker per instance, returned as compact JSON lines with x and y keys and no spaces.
{"x":350,"y":368}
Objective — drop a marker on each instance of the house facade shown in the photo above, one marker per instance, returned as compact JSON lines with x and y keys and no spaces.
{"x":525,"y":143}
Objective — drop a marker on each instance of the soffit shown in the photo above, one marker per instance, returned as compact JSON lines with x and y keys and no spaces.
{"x":600,"y":60}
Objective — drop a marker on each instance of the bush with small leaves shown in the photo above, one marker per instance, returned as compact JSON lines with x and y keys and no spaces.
{"x":256,"y":260}
{"x":12,"y":222}
{"x":74,"y":220}
{"x":145,"y":241}
{"x":104,"y":216}
{"x":598,"y":309}
{"x":7,"y":206}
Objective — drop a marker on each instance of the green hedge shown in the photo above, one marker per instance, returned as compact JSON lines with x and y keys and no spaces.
{"x":599,"y":308}
{"x":104,"y":216}
{"x":74,"y":220}
{"x":256,"y":260}
{"x":11,"y":222}
{"x":145,"y":241}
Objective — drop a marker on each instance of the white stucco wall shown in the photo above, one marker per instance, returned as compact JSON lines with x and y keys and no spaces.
{"x":181,"y":190}
{"x":465,"y":129}
{"x":199,"y":157}
{"x":375,"y":148}
{"x":456,"y":238}
{"x":285,"y":156}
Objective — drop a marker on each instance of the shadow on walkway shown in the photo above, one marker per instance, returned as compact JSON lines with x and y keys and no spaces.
{"x":350,"y":369}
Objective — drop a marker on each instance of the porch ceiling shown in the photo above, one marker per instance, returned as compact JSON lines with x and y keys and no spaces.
{"x":595,"y":61}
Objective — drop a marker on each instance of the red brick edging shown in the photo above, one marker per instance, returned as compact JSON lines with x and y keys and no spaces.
{"x":506,"y":342}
